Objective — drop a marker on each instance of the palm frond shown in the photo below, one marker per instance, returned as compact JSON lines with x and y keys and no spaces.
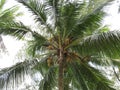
{"x":99,"y":60}
{"x":116,"y":62}
{"x":92,"y":78}
{"x":36,"y":45}
{"x":104,"y":61}
{"x":93,"y":7}
{"x":88,"y":18}
{"x":107,"y":43}
{"x":14,"y":28}
{"x":80,"y":35}
{"x":49,"y":79}
{"x":67,"y":16}
{"x":15,"y":74}
{"x":17,"y":29}
{"x":79,"y":77}
{"x":53,"y":2}
{"x":89,"y":25}
{"x":48,"y":73}
{"x":39,"y":11}
{"x":8,"y":14}
{"x":42,"y":66}
{"x":36,"y":8}
{"x":2,"y":3}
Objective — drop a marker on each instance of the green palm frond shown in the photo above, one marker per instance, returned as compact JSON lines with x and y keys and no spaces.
{"x":8,"y":25}
{"x":100,"y":60}
{"x":49,"y":79}
{"x":9,"y":14}
{"x":107,"y":43}
{"x":85,"y":19}
{"x":116,"y":62}
{"x":93,"y":7}
{"x":42,"y":65}
{"x":39,"y":43}
{"x":103,"y":61}
{"x":67,"y":81}
{"x":79,"y":77}
{"x":15,"y":29}
{"x":34,"y":47}
{"x":2,"y":3}
{"x":37,"y":9}
{"x":89,"y":25}
{"x":53,"y":3}
{"x":90,"y":77}
{"x":68,"y":15}
{"x":15,"y":74}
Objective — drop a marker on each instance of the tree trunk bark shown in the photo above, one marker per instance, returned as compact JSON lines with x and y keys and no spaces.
{"x":61,"y":71}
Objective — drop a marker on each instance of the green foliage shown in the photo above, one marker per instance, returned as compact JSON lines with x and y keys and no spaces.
{"x":15,"y":74}
{"x":15,"y":29}
{"x":37,"y":9}
{"x":108,"y":44}
{"x":2,"y":3}
{"x":76,"y":27}
{"x":49,"y":80}
{"x":90,"y":78}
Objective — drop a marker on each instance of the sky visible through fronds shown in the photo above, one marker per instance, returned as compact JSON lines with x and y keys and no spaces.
{"x":110,"y":20}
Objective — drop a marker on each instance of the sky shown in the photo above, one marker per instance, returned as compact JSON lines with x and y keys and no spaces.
{"x":113,"y":18}
{"x":13,"y":45}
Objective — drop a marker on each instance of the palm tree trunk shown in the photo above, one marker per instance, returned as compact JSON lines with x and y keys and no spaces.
{"x":60,"y":80}
{"x":61,"y":71}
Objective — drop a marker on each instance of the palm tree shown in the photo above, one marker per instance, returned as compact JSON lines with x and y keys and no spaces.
{"x":70,"y":43}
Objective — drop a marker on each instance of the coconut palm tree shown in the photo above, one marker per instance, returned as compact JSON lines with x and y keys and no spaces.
{"x":70,"y":43}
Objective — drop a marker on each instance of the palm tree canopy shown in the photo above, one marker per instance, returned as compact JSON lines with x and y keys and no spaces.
{"x":74,"y":29}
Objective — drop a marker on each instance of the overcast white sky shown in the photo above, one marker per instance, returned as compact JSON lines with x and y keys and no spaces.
{"x":113,"y":19}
